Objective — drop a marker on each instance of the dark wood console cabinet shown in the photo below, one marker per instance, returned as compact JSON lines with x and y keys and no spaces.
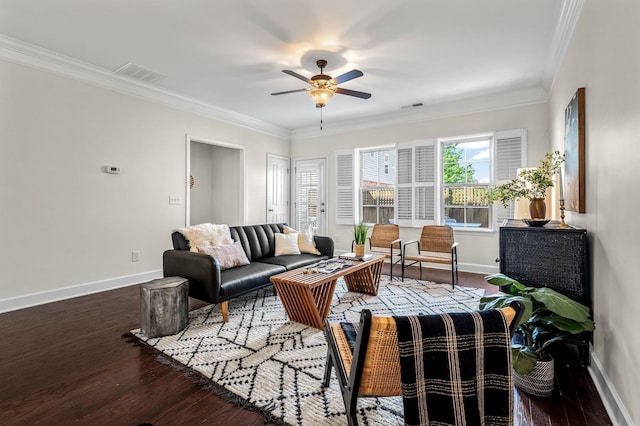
{"x":549,"y":257}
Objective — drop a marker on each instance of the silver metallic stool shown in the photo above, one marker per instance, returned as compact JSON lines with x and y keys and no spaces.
{"x":164,"y":306}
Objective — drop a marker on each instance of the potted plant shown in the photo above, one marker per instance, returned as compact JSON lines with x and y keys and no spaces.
{"x":360,"y":238}
{"x":531,"y":184}
{"x":549,"y":317}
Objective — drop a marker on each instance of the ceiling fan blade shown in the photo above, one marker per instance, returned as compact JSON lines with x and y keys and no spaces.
{"x":289,"y":91}
{"x":296,"y":75}
{"x":355,"y":93}
{"x":348,"y":76}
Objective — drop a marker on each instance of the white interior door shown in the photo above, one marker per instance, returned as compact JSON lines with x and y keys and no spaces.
{"x":310,"y":195}
{"x":278,"y":185}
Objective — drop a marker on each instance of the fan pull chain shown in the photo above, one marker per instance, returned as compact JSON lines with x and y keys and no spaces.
{"x":320,"y":118}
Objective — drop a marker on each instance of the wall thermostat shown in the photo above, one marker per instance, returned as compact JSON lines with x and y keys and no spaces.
{"x":112,"y":169}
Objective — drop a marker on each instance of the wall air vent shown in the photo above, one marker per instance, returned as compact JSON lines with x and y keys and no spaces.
{"x":139,"y":73}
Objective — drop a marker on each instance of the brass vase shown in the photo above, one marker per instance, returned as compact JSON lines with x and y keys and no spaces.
{"x":537,"y":208}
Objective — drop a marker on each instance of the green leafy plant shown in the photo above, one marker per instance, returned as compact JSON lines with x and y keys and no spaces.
{"x":360,"y":233}
{"x":549,"y":317}
{"x":530,"y":183}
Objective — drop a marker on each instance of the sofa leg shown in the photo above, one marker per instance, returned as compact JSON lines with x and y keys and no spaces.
{"x":225,"y":311}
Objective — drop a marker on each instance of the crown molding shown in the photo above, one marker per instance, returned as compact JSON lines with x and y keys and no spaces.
{"x":569,"y":15}
{"x":456,"y":108}
{"x":22,"y":53}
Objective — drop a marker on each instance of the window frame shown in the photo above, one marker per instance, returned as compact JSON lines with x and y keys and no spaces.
{"x":418,"y":201}
{"x":383,"y":164}
{"x":442,"y":186}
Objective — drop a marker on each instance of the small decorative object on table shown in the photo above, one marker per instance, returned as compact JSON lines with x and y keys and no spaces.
{"x":353,"y":256}
{"x":360,"y":238}
{"x":536,"y":222}
{"x":562,"y":225}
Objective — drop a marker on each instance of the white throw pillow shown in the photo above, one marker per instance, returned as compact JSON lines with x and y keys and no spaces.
{"x":287,"y":244}
{"x":206,"y":234}
{"x":306,"y":243}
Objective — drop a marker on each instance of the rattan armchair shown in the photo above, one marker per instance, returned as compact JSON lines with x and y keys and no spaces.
{"x":385,"y":240}
{"x":370,"y":367}
{"x":436,"y":245}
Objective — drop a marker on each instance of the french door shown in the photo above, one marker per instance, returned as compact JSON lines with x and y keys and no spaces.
{"x":310,"y":195}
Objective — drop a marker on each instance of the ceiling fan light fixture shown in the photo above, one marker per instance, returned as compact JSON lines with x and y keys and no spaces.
{"x":320,"y":96}
{"x":324,"y":86}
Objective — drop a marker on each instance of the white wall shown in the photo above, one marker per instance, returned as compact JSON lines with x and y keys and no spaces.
{"x":225,"y":203}
{"x":601,"y":59}
{"x":66,"y":222}
{"x":478,"y":250}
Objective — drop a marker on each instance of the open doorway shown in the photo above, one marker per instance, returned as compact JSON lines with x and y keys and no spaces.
{"x":215,"y":182}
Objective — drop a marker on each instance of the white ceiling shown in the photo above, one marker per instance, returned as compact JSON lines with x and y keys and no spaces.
{"x":231,"y":53}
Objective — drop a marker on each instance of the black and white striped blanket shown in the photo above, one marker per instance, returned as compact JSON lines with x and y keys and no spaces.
{"x":456,"y":369}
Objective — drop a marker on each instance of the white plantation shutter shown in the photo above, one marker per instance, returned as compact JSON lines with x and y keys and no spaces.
{"x":415,"y":184}
{"x":424,"y":182}
{"x":510,"y":155}
{"x":344,"y":188}
{"x":404,"y":184}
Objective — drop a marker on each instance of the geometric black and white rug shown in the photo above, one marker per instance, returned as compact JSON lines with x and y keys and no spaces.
{"x":276,"y":366}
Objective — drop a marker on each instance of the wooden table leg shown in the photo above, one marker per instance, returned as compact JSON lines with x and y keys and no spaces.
{"x":365,"y":280}
{"x":306,"y":305}
{"x":323,"y":296}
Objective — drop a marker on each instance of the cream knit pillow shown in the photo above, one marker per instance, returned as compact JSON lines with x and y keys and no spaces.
{"x":306,"y":243}
{"x":287,"y":244}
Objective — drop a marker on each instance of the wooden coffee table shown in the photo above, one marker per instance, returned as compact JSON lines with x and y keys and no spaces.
{"x":306,"y":295}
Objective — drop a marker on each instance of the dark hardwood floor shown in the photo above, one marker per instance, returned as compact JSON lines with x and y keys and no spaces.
{"x":67,"y":363}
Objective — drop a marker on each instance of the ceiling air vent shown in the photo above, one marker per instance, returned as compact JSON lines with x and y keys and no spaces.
{"x":419,"y":104}
{"x":139,"y":73}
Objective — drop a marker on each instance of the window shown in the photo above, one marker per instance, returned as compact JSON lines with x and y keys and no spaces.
{"x":377,"y":186}
{"x":466,"y":177}
{"x":428,"y":181}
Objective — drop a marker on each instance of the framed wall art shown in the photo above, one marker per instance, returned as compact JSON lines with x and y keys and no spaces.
{"x":574,"y":148}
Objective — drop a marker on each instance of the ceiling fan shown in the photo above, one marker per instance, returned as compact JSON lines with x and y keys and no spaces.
{"x":324,"y":86}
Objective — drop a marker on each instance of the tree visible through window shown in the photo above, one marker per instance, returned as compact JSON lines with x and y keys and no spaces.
{"x":377,"y":186}
{"x":466,"y":168}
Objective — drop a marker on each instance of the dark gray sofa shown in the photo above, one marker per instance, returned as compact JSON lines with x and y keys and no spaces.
{"x":209,"y":283}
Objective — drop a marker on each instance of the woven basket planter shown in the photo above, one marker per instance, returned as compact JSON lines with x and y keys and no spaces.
{"x":539,"y":382}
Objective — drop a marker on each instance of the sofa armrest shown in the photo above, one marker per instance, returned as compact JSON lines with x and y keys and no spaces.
{"x":202,"y":271}
{"x":324,"y":245}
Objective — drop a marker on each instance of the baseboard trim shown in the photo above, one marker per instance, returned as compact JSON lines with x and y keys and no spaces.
{"x":34,"y":299}
{"x":616,"y":409}
{"x":478,"y":269}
